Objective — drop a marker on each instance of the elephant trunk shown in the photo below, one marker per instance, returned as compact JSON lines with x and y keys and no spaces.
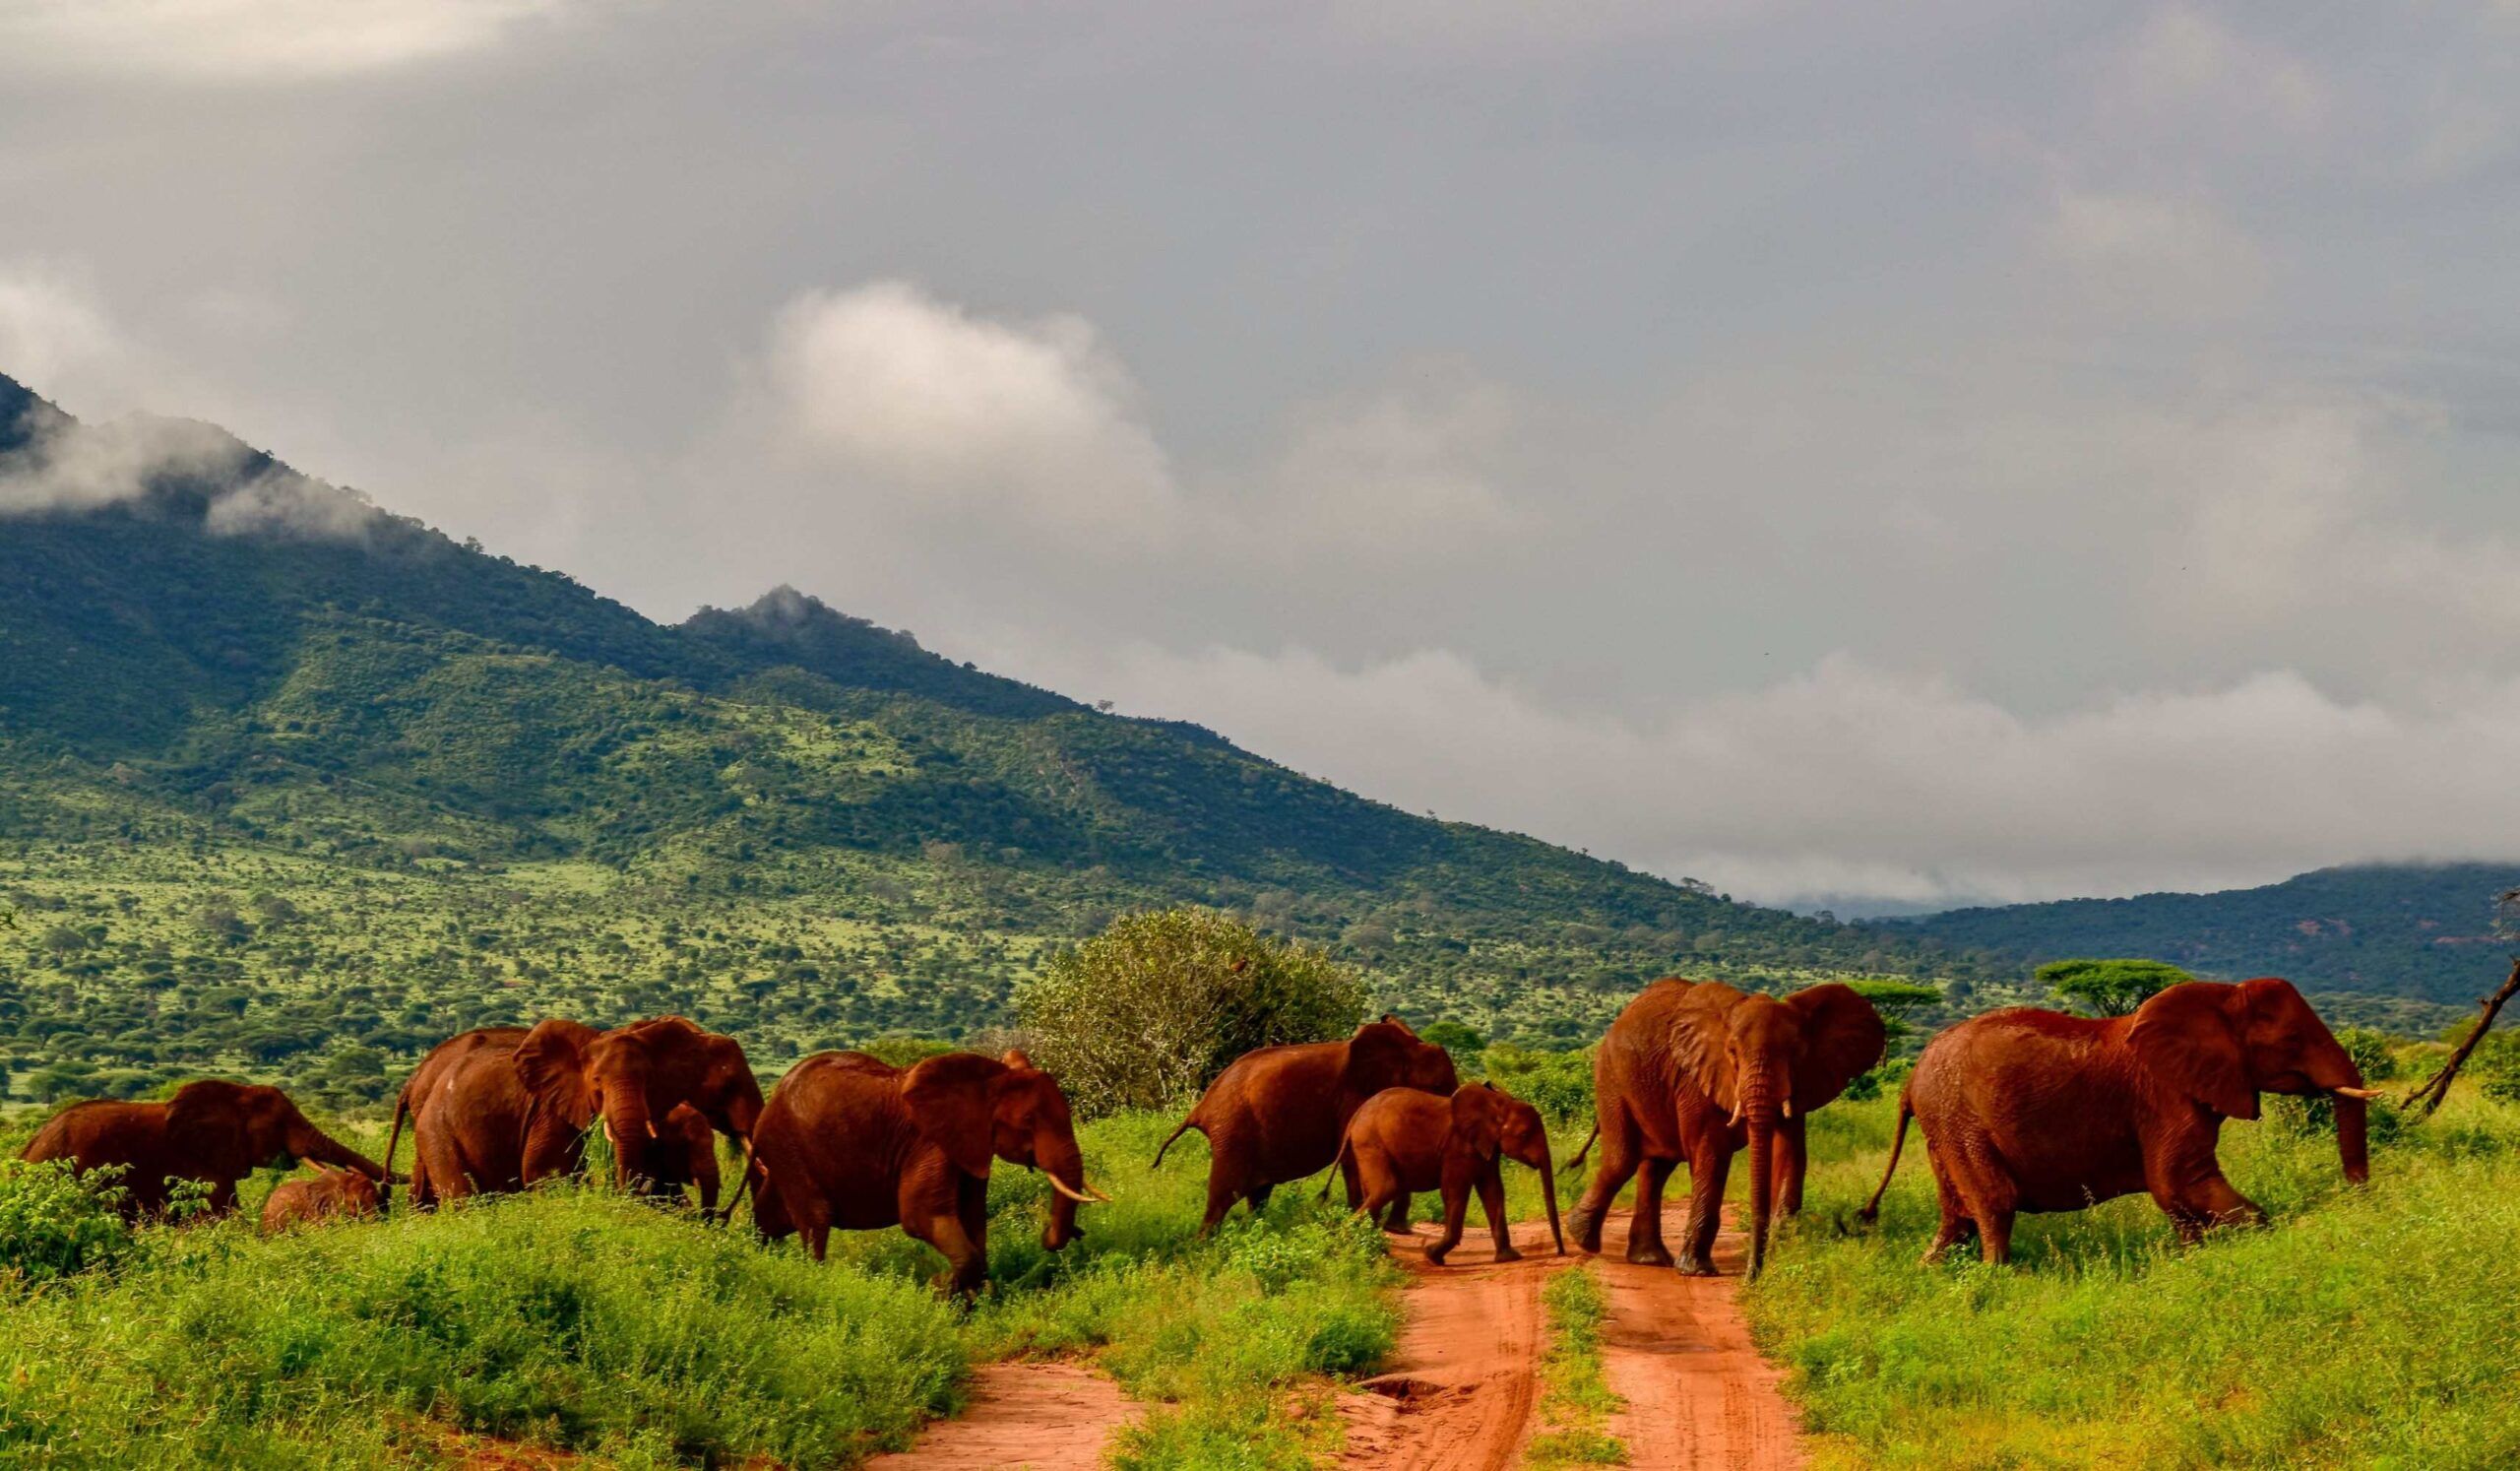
{"x":2353,"y":1143}
{"x":308,"y":1142}
{"x":1759,"y":1105}
{"x":630,"y":1130}
{"x":1548,"y":1197}
{"x":1064,"y":1163}
{"x":2332,"y":1071}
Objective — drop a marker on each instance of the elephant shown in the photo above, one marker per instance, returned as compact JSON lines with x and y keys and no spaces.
{"x":325,"y":1195}
{"x":499,"y":1109}
{"x":1404,"y":1139}
{"x":1692,"y":1071}
{"x":213,"y":1130}
{"x":686,"y":1154}
{"x":1277,"y":1112}
{"x":429,"y":1078}
{"x":2025,"y":1110}
{"x":851,"y":1142}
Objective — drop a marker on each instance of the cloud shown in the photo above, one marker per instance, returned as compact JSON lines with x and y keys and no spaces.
{"x":250,"y":40}
{"x":932,"y":416}
{"x":1407,"y":475}
{"x":1851,"y":779}
{"x":921,"y":407}
{"x":68,"y":466}
{"x":52,"y":331}
{"x":2176,"y":251}
{"x":2184,"y":59}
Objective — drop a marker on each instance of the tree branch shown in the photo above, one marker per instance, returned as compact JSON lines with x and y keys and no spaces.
{"x":2438,"y":1087}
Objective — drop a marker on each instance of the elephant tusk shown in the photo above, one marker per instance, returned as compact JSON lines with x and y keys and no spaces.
{"x":1787,"y":1107}
{"x":1735,"y":1121}
{"x":2365,"y":1094}
{"x":1082,"y":1197}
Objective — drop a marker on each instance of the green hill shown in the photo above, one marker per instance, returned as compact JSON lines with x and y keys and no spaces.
{"x":2425,"y":932}
{"x":287,"y":780}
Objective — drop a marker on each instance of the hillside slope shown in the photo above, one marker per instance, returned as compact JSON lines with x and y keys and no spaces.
{"x":2420,"y":931}
{"x":283,"y":773}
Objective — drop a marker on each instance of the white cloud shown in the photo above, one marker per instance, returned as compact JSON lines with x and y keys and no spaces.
{"x":1406,"y":475}
{"x":69,"y":466}
{"x":2160,"y":249}
{"x":2184,"y":58}
{"x":922,"y":407}
{"x":230,"y":40}
{"x":52,"y":332}
{"x":1849,"y":779}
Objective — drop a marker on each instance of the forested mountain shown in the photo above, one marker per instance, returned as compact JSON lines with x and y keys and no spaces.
{"x":281,"y":773}
{"x":2398,"y":929}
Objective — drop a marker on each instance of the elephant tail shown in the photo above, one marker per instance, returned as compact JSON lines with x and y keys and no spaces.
{"x":1346,"y":1151}
{"x":1872,"y":1208}
{"x":1591,"y":1139}
{"x":393,"y":1137}
{"x":1187,"y":1124}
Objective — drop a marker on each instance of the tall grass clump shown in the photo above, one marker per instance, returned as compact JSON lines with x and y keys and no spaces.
{"x":2367,"y":1327}
{"x":568,"y":1319}
{"x":1576,"y":1400}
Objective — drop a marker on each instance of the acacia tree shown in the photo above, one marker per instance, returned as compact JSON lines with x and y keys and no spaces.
{"x":2110,"y":988}
{"x":1147,"y":1014}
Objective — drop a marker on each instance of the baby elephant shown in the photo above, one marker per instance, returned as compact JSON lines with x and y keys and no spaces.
{"x":1404,"y":1140}
{"x":330,"y":1194}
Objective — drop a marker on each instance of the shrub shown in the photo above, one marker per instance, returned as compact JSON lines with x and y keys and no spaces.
{"x":1147,"y":1014}
{"x":56,"y":1224}
{"x":1559,"y":1084}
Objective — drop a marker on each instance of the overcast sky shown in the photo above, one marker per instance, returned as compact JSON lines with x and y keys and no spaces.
{"x":1971,"y":450}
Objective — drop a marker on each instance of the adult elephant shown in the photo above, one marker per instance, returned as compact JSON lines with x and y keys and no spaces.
{"x":1404,"y":1139}
{"x":1692,"y":1072}
{"x":853,"y":1143}
{"x":1277,"y":1112}
{"x":499,"y":1109}
{"x":212,"y":1131}
{"x":2025,"y":1110}
{"x":428,"y":1080}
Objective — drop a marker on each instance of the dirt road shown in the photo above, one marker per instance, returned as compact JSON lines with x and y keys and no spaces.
{"x":1023,"y":1417}
{"x":1462,"y":1389}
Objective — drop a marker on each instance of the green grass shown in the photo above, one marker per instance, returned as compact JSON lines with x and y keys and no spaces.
{"x":1576,"y":1402}
{"x":2365,"y":1327}
{"x":578,"y":1320}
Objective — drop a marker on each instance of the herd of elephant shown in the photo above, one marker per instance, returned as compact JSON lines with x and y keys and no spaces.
{"x":2023,"y":1109}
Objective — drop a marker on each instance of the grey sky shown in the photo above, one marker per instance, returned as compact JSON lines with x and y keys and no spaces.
{"x":2014,"y":451}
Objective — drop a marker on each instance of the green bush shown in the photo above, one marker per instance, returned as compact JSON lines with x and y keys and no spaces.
{"x":1559,"y":1084}
{"x":1147,"y":1014}
{"x":56,"y":1224}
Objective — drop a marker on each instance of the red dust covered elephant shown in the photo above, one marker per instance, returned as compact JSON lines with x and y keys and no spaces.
{"x":1691,"y":1072}
{"x":2026,"y":1109}
{"x":212,"y":1131}
{"x":1277,"y":1113}
{"x":849,"y":1142}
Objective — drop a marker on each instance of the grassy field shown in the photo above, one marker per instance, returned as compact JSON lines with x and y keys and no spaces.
{"x":578,"y":1320}
{"x":2367,"y":1328}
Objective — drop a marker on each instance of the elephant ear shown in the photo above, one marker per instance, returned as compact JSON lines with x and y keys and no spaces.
{"x":552,"y":1062}
{"x":2190,"y":1036}
{"x":951,"y":1100}
{"x":206,"y":1123}
{"x":1478,"y":1122}
{"x":1841,"y":1035}
{"x":1701,"y":1035}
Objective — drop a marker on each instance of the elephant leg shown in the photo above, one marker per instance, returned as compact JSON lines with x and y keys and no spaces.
{"x":1353,"y":1178}
{"x":1456,"y":1196}
{"x":1492,"y":1200}
{"x":1618,"y":1164}
{"x":1792,"y":1160}
{"x":1955,"y":1225}
{"x":1258,"y":1196}
{"x":1224,"y":1188}
{"x":1707,"y":1172}
{"x":2211,"y":1201}
{"x":966,"y":1264}
{"x":1645,"y":1245}
{"x":1991,"y":1198}
{"x":1397,"y":1220}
